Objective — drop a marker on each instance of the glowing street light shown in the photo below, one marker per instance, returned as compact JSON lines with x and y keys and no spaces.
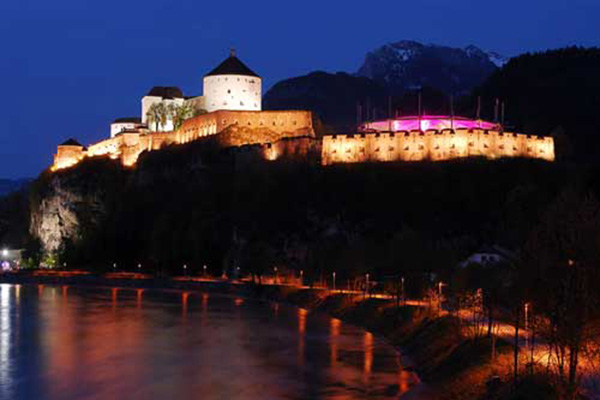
{"x":204,"y":268}
{"x":4,"y":252}
{"x":334,"y":281}
{"x":367,"y":284}
{"x":140,"y":266}
{"x":115,"y":266}
{"x":184,"y":269}
{"x":276,"y":274}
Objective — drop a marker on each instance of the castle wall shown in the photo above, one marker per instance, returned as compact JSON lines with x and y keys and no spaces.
{"x":433,"y":145}
{"x":290,"y":134}
{"x":232,"y":92}
{"x":236,"y":128}
{"x":67,"y":156}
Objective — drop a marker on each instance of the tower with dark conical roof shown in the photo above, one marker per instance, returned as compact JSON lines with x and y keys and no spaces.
{"x":232,"y":86}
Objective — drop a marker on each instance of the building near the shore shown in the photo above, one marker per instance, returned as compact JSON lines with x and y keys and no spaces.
{"x":10,"y":259}
{"x":230,"y":109}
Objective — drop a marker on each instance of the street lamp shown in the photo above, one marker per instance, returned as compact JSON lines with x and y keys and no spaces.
{"x":204,"y":268}
{"x":367,"y":284}
{"x":184,"y":269}
{"x":139,"y":266}
{"x":276,"y":274}
{"x":5,"y":253}
{"x":115,"y":266}
{"x":334,"y":281}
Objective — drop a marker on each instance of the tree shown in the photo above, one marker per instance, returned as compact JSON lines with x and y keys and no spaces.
{"x":258,"y":257}
{"x":158,"y":114}
{"x":180,"y":113}
{"x":563,"y":278}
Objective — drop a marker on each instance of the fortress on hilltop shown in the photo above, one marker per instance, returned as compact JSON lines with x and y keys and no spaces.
{"x":230,"y":109}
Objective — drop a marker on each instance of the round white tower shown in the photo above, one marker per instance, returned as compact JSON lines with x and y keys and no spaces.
{"x":232,"y":86}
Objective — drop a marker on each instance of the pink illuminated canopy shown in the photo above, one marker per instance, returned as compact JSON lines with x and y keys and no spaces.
{"x":427,"y":122}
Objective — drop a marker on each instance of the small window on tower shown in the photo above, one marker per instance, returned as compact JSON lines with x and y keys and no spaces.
{"x":228,"y":91}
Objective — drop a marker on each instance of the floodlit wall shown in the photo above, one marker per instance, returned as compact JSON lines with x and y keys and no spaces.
{"x":67,"y":156}
{"x":236,"y":128}
{"x":433,"y":145}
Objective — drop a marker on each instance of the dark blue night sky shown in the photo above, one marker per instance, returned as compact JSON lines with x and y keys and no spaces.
{"x":69,"y":67}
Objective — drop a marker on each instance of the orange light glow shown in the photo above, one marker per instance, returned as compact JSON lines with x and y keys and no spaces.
{"x":138,"y":297}
{"x":301,"y":332}
{"x":368,"y":344}
{"x":334,"y":333}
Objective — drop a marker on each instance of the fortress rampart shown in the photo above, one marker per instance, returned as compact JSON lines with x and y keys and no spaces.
{"x":434,"y":145}
{"x":290,"y":134}
{"x":235,"y":128}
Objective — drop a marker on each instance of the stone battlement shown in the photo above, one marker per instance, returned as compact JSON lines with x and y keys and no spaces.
{"x":434,"y":145}
{"x":235,"y":128}
{"x":290,"y":134}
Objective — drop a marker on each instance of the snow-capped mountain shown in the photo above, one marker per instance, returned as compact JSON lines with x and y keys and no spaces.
{"x":409,"y":65}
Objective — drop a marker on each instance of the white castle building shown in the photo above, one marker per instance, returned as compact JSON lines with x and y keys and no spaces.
{"x":230,"y":86}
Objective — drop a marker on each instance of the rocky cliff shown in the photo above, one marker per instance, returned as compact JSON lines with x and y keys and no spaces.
{"x":71,"y":206}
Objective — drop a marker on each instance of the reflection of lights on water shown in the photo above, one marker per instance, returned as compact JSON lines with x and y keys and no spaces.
{"x":114,"y":292}
{"x":5,"y":266}
{"x":334,"y":332}
{"x":301,"y":331}
{"x":184,"y":304}
{"x":138,"y":297}
{"x":5,"y":334}
{"x":302,"y":320}
{"x":368,"y":343}
{"x":238,"y":301}
{"x":204,"y":302}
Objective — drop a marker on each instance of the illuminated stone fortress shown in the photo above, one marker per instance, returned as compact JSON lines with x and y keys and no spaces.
{"x":434,"y":138}
{"x":230,"y":110}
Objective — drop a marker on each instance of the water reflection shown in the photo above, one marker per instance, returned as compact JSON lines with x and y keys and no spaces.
{"x":184,"y":305}
{"x":102,"y":344}
{"x":301,"y":334}
{"x":5,"y":335}
{"x":334,"y":332}
{"x":138,"y":298}
{"x":368,"y":343}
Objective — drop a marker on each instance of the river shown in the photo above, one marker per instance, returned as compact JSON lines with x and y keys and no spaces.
{"x":66,"y":342}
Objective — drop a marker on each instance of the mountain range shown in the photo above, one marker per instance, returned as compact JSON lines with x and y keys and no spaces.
{"x":389,"y":78}
{"x":410,"y":65}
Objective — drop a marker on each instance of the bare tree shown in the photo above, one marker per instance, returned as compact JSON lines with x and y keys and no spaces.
{"x":562,"y":274}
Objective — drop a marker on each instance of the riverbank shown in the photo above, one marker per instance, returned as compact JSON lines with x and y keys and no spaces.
{"x":453,"y":366}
